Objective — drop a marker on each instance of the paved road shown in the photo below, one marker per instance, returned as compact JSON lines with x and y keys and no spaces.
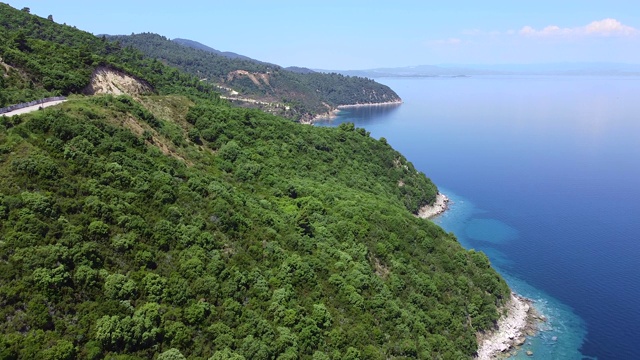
{"x":33,"y":108}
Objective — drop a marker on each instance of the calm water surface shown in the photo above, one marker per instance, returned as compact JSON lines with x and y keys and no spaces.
{"x":544,"y":175}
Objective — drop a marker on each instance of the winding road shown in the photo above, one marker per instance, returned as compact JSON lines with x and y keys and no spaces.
{"x":32,"y":108}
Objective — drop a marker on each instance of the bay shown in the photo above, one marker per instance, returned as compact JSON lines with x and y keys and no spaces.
{"x":543,"y":173}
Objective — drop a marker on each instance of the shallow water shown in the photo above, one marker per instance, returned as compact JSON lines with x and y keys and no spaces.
{"x":543,"y":173}
{"x":464,"y":218}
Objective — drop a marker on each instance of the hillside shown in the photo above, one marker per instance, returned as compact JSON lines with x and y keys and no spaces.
{"x":197,"y":45}
{"x":39,"y":58}
{"x":300,"y":95}
{"x":168,"y":224}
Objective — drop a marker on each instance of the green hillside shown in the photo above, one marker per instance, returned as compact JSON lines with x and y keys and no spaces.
{"x":300,"y":95}
{"x":39,"y":58}
{"x":172,"y":225}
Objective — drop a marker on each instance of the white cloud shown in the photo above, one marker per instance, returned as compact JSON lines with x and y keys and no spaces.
{"x":605,"y":27}
{"x":610,"y":27}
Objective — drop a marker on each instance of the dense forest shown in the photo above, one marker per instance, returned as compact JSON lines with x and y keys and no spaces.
{"x":173,"y":225}
{"x":197,"y":45}
{"x":39,"y":58}
{"x":305,"y":93}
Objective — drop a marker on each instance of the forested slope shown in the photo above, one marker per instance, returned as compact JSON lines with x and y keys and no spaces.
{"x":302,"y":94}
{"x":175,"y":225}
{"x":39,"y":58}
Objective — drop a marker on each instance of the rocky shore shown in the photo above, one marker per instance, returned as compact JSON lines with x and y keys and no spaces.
{"x":395,"y":102}
{"x":439,"y":206}
{"x":329,"y":115}
{"x":332,"y":114}
{"x":520,"y":320}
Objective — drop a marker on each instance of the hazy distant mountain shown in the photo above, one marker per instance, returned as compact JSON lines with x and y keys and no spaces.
{"x":448,"y":70}
{"x":408,"y":71}
{"x":587,"y":68}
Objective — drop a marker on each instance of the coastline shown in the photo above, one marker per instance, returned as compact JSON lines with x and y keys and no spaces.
{"x":329,"y":115}
{"x":439,"y":206}
{"x":332,"y":114}
{"x":519,"y":321}
{"x":395,"y":102}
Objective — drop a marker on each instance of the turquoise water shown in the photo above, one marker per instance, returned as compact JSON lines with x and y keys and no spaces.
{"x":543,"y":173}
{"x":562,"y":335}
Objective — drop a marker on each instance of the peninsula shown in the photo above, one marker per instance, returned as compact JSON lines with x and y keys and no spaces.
{"x":296,"y":93}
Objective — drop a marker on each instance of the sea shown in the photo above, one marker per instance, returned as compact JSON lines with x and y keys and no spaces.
{"x":543,"y":173}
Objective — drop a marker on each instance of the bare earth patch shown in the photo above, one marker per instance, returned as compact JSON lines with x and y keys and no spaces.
{"x":381,"y":270}
{"x":105,"y":80}
{"x":156,"y":139}
{"x":254,"y":77}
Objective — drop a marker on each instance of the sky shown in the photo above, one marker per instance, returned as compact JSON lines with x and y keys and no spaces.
{"x":347,"y":35}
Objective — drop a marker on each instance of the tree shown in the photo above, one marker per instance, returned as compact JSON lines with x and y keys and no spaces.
{"x":226,"y":354}
{"x":171,"y":354}
{"x":63,"y":350}
{"x":20,"y":41}
{"x":50,"y":17}
{"x":119,"y":287}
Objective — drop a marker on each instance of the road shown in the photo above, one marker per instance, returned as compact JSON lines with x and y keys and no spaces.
{"x":33,"y":108}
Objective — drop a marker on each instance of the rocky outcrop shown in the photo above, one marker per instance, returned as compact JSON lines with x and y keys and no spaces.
{"x":520,"y":320}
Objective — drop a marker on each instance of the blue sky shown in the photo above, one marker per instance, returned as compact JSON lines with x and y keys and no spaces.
{"x":367,"y":34}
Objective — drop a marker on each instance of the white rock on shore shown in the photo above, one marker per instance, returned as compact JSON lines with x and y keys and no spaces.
{"x":439,"y":206}
{"x":511,"y":329}
{"x":396,"y":102}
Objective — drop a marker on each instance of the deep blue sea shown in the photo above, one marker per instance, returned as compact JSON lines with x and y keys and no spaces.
{"x":544,"y":175}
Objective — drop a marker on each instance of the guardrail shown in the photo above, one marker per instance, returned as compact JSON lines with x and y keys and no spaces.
{"x":31,"y":103}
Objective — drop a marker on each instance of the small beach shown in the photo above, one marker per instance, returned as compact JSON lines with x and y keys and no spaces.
{"x":439,"y":206}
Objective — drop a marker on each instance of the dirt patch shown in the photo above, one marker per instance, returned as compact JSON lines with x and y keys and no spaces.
{"x":6,"y":67}
{"x":105,"y":80}
{"x":265,"y":78}
{"x":156,"y":140}
{"x":11,"y":71}
{"x":381,"y":270}
{"x":254,"y":77}
{"x":133,"y":125}
{"x":172,"y":108}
